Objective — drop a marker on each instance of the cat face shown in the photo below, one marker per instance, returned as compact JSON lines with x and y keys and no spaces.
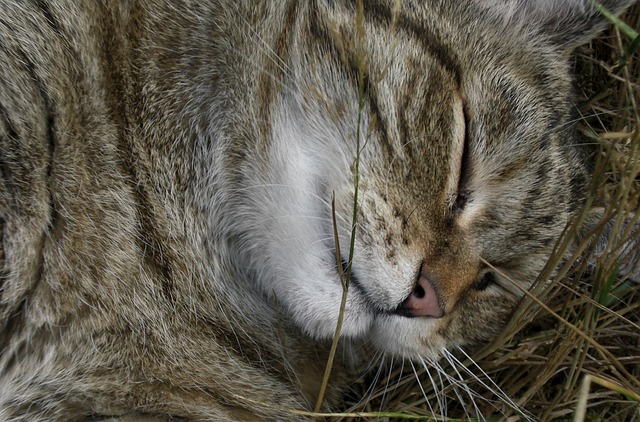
{"x":468,"y":170}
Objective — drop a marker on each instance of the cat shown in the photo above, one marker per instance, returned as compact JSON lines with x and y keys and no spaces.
{"x":168,"y":172}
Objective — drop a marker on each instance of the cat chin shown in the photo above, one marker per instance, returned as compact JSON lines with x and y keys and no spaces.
{"x":320,"y":320}
{"x":312,"y":298}
{"x":393,"y":335}
{"x":412,"y":338}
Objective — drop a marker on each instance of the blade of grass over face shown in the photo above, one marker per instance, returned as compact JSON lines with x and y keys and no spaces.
{"x":345,"y":274}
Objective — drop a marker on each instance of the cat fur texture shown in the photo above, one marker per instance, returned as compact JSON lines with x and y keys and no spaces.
{"x":167,"y":171}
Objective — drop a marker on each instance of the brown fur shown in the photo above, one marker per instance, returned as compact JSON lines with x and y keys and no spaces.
{"x":155,"y":157}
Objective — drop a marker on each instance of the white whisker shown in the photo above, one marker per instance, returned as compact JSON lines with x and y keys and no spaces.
{"x":440,"y":397}
{"x":460,"y":382}
{"x":496,"y":390}
{"x":424,"y":394}
{"x":386,"y":386}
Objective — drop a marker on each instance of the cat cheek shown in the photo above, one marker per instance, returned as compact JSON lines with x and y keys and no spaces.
{"x":477,"y":319}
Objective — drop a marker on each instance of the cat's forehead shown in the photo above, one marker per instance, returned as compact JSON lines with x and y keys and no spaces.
{"x":419,"y":66}
{"x":420,"y":49}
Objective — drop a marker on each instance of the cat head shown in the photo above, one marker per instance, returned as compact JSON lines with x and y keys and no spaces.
{"x":467,"y":167}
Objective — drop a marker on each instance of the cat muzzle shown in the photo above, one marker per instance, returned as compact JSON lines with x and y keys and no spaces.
{"x":422,"y":301}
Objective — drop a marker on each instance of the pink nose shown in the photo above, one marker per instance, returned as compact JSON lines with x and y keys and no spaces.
{"x":422,"y":301}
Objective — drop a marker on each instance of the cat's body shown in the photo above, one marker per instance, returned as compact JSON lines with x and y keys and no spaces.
{"x":167,"y":170}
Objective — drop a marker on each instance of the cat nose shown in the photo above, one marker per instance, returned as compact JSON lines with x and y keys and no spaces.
{"x":422,"y":301}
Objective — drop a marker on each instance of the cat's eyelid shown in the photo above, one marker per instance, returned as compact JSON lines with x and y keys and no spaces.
{"x":458,"y":144}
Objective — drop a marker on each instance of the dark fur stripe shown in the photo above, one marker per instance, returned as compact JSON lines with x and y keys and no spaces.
{"x":273,"y":74}
{"x":321,"y":35}
{"x":431,"y":41}
{"x":48,"y":16}
{"x":12,"y":134}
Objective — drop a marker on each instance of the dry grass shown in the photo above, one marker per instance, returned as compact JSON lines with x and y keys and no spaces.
{"x":578,"y":356}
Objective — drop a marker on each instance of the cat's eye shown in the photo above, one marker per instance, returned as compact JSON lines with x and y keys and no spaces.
{"x":461,"y":200}
{"x":487,"y":279}
{"x":462,"y":193}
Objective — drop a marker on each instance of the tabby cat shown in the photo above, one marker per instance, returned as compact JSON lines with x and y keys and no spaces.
{"x":167,"y":175}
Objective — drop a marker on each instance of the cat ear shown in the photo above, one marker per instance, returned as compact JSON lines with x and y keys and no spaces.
{"x":566,"y":23}
{"x":613,"y":241}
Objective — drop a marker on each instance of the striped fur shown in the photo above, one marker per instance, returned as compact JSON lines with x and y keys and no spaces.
{"x":166,"y":175}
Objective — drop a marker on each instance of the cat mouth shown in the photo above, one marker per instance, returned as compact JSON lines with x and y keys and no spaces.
{"x":347,"y":275}
{"x":421,"y":302}
{"x":355,"y":286}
